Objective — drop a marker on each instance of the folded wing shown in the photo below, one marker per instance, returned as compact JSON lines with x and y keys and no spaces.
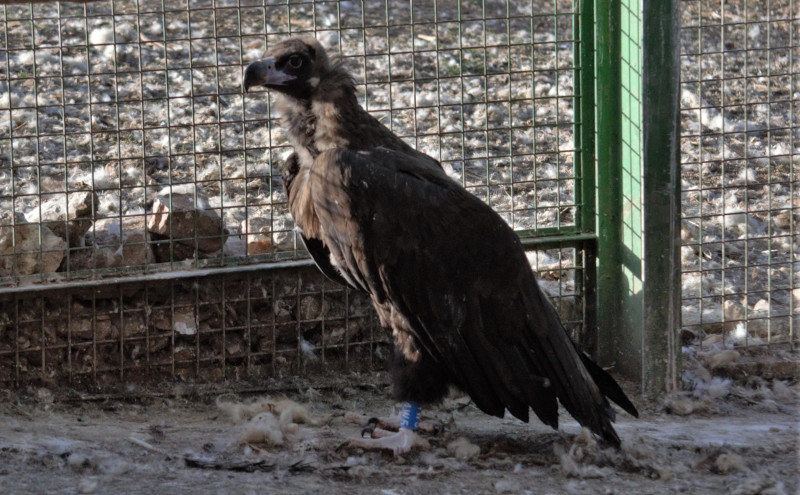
{"x":397,"y":226}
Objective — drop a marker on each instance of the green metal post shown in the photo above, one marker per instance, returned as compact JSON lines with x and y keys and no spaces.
{"x":609,"y":192}
{"x":584,"y":134}
{"x":637,"y":198}
{"x":661,"y":122}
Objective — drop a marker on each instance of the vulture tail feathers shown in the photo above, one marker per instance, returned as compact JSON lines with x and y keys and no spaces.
{"x":608,"y":386}
{"x":580,"y":388}
{"x":504,"y":384}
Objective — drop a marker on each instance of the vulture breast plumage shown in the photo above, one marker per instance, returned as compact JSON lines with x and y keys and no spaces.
{"x":448,"y":277}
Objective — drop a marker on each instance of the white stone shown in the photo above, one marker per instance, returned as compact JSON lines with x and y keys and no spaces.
{"x":101,"y":36}
{"x":28,"y":248}
{"x":258,"y":235}
{"x":182,"y":216}
{"x":68,"y":215}
{"x":113,"y":242}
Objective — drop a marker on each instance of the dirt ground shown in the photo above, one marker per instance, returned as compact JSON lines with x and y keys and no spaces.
{"x":185,"y":442}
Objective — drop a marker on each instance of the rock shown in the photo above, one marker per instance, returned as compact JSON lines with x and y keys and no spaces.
{"x":336,"y":335}
{"x":783,"y":220}
{"x":234,"y":345}
{"x":462,"y":449}
{"x":107,"y":326}
{"x":87,"y":485}
{"x":183,"y":353}
{"x":768,"y":368}
{"x":258,"y":233}
{"x":181,"y":215}
{"x":768,"y":319}
{"x":284,"y":240}
{"x":235,"y":245}
{"x":761,"y":309}
{"x":166,"y":251}
{"x":688,"y":336}
{"x":733,"y":311}
{"x":312,"y":308}
{"x":339,"y":334}
{"x":728,"y":463}
{"x":28,"y":248}
{"x":155,"y":345}
{"x":113,"y":242}
{"x":134,"y":324}
{"x":690,"y":232}
{"x":181,"y":321}
{"x":103,"y":329}
{"x":68,"y":215}
{"x":717,"y":359}
{"x":184,"y":322}
{"x":683,"y":405}
{"x":507,"y":486}
{"x":283,"y":234}
{"x":283,"y":311}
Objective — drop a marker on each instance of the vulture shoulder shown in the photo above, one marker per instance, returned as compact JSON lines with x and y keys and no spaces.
{"x":314,"y":245}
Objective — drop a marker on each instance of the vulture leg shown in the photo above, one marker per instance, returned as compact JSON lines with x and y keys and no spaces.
{"x":398,"y":442}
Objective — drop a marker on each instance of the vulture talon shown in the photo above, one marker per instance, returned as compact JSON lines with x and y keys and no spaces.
{"x":438,"y":428}
{"x":369,"y":428}
{"x":447,"y":275}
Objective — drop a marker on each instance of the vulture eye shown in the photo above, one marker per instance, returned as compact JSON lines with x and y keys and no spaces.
{"x":295,"y":62}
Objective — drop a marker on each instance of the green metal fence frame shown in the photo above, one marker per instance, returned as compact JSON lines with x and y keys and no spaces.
{"x":638,"y":177}
{"x":627,"y":161}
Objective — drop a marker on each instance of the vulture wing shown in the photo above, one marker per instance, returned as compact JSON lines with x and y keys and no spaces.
{"x":454,"y":274}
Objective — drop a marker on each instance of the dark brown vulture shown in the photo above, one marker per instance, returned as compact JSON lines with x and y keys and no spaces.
{"x":446,"y":274}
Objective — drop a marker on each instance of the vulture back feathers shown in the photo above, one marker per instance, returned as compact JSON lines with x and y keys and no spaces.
{"x":448,"y":277}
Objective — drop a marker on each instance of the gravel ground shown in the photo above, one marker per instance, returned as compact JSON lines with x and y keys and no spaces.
{"x":140,"y":132}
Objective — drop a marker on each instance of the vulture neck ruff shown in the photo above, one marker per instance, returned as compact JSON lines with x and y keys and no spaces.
{"x":332,"y":118}
{"x":316,"y":124}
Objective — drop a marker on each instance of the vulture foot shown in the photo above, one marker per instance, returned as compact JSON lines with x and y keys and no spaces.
{"x":398,"y":442}
{"x":401,"y":440}
{"x":434,"y":427}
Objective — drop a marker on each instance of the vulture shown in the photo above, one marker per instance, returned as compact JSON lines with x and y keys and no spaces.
{"x":446,"y":274}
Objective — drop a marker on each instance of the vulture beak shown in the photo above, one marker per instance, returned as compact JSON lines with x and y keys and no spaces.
{"x":264,"y":73}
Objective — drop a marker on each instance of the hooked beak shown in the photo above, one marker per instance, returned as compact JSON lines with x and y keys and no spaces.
{"x":264,"y":73}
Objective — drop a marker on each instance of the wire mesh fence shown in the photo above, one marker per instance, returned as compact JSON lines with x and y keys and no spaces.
{"x":242,"y":326}
{"x":741,"y":173}
{"x":124,"y":112}
{"x":136,"y":178}
{"x":131,"y":161}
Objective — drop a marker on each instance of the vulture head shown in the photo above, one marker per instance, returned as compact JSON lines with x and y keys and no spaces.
{"x":293,"y":67}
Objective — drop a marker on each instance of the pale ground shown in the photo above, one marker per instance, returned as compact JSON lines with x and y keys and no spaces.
{"x":58,"y":445}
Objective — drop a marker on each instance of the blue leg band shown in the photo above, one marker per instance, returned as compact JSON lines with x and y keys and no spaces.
{"x":409,"y":416}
